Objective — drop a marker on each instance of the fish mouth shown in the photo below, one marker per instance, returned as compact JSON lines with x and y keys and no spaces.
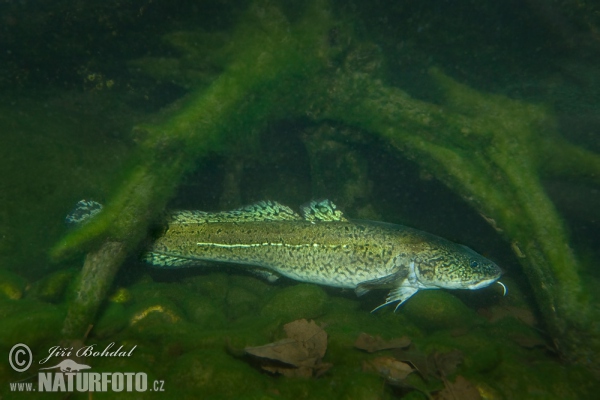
{"x":482,"y":284}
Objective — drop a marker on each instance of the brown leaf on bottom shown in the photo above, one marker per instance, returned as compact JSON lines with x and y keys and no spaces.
{"x":460,"y":389}
{"x":299,"y":355}
{"x":417,"y":359}
{"x":434,"y":364}
{"x":445,"y":363}
{"x":391,"y":369}
{"x":497,"y":313}
{"x":376,"y":343}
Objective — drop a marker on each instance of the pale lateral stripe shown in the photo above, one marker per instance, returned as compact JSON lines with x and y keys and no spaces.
{"x":224,"y":245}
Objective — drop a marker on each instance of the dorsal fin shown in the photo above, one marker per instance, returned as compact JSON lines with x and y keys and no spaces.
{"x":83,"y":212}
{"x":322,"y":210}
{"x":261,"y":211}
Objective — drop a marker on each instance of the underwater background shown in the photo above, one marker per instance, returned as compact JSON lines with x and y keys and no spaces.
{"x":476,"y":121}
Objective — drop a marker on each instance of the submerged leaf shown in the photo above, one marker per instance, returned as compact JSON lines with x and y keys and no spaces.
{"x":434,"y":364}
{"x":287,"y":351}
{"x":460,"y":389}
{"x":299,"y":355}
{"x":527,"y":341}
{"x":391,"y":369}
{"x":375,"y":343}
{"x":499,"y":312}
{"x":417,"y":359}
{"x":445,"y":363}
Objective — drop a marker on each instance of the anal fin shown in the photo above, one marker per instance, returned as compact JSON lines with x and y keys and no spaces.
{"x":162,"y":260}
{"x":265,"y":274}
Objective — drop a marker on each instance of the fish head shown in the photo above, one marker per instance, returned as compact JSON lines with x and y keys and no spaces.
{"x":457,"y":267}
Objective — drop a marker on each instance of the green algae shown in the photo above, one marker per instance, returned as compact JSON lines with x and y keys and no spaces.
{"x":52,"y":288}
{"x":202,"y":372}
{"x":214,"y":286}
{"x":438,"y":310}
{"x":204,"y":312}
{"x":295,"y":302}
{"x":482,"y":352}
{"x":12,"y":286}
{"x":241,"y":302}
{"x":31,"y":322}
{"x":111,"y":320}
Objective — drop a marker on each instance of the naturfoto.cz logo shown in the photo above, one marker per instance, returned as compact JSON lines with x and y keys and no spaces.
{"x":68,"y":376}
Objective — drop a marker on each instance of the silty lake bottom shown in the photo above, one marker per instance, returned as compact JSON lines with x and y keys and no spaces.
{"x":476,"y":123}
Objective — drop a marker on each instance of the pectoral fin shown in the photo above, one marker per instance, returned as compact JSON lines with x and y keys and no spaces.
{"x":386,"y":282}
{"x":400,"y":294}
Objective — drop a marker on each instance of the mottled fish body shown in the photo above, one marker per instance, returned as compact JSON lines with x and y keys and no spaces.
{"x":322,"y":246}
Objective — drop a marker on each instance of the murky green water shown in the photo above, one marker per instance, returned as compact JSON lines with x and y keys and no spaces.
{"x":473,"y":121}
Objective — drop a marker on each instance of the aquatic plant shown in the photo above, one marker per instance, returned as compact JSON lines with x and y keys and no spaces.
{"x":489,"y":149}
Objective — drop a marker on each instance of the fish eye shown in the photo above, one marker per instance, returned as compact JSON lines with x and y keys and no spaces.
{"x":474,"y":264}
